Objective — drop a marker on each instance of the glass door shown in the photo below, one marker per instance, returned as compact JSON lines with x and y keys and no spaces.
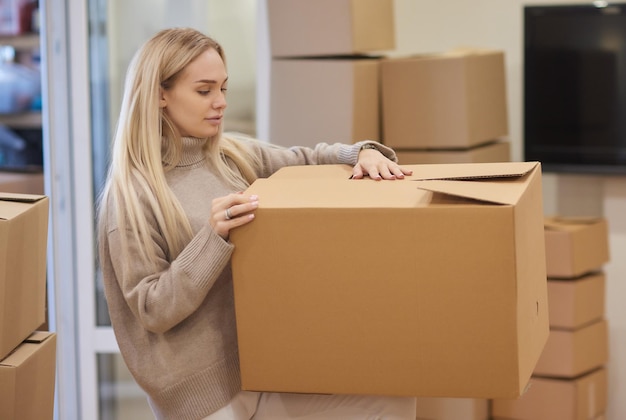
{"x":89,"y":45}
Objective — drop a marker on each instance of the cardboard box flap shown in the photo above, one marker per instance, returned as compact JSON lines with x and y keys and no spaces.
{"x":492,"y":192}
{"x":12,"y":205}
{"x":470,"y":171}
{"x":26,"y":349}
{"x":22,"y":198}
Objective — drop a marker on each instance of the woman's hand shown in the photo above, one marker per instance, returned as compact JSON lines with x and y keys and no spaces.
{"x":231,"y":211}
{"x":374,"y":164}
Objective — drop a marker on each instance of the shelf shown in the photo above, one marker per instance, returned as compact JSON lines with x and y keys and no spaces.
{"x":21,"y":42}
{"x":30,"y":119}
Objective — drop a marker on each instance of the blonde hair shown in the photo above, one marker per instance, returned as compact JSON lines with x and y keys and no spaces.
{"x":140,"y":158}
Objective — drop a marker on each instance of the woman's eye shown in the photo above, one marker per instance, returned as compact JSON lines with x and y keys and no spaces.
{"x":224,"y":90}
{"x":204,"y":92}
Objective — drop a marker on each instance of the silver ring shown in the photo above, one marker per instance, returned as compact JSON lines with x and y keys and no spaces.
{"x":228,"y":215}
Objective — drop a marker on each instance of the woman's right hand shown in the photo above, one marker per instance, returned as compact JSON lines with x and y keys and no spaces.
{"x":231,"y":211}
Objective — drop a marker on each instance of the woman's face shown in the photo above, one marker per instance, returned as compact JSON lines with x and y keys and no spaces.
{"x":196,"y":102}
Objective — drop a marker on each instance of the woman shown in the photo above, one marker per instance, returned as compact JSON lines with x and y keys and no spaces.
{"x":173,"y":194}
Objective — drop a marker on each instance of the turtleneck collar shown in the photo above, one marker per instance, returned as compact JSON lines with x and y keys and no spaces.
{"x":192,"y":151}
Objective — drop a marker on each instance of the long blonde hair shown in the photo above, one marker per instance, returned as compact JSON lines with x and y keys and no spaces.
{"x":140,"y":158}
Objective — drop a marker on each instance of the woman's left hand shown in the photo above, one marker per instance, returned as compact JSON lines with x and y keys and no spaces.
{"x":374,"y":164}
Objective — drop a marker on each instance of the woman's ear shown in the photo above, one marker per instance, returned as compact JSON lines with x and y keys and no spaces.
{"x":162,"y":101}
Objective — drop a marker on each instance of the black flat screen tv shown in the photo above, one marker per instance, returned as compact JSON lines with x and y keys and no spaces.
{"x":574,"y":87}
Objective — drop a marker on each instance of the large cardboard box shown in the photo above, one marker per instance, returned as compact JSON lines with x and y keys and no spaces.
{"x":22,"y":183}
{"x":444,"y":101}
{"x":301,"y":28}
{"x":431,"y":286}
{"x":573,"y":303}
{"x":582,"y":398}
{"x":23,"y":242}
{"x":575,"y":246}
{"x":330,"y":100}
{"x":27,"y":379}
{"x":498,"y":151}
{"x":452,"y":409}
{"x":570,"y":353}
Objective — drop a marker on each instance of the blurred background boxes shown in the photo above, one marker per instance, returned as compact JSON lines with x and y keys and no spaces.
{"x":452,"y":409}
{"x":444,"y":101}
{"x":27,"y":379}
{"x":576,"y":302}
{"x":497,"y":151}
{"x":23,"y":245}
{"x":582,"y":398}
{"x":571,"y":353}
{"x":325,"y":99}
{"x":301,"y":28}
{"x":575,"y":246}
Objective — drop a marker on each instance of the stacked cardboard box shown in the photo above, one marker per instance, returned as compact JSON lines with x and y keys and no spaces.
{"x":445,"y":107}
{"x":570,"y":379}
{"x":398,"y":319}
{"x":27,"y":356}
{"x":324,"y":85}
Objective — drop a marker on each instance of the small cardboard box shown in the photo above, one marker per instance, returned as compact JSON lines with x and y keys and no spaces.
{"x":572,"y":353}
{"x":23,"y":243}
{"x":300,"y":28}
{"x":575,"y":246}
{"x":27,"y":379}
{"x":431,"y":286}
{"x":576,"y":302}
{"x":444,"y":101}
{"x":582,"y":398}
{"x":498,"y":151}
{"x":452,"y":409}
{"x":331,"y":100}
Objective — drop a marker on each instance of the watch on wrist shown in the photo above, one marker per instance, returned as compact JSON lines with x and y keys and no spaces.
{"x":369,"y":146}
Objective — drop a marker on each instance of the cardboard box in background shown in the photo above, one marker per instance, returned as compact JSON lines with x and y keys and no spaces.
{"x":27,"y":379}
{"x":444,"y":101}
{"x":22,"y":183}
{"x":23,"y":242}
{"x":582,"y":398}
{"x":452,"y":409}
{"x":454,"y":306}
{"x":570,"y":353}
{"x":576,"y":302}
{"x":498,"y":151}
{"x":299,"y":28}
{"x":329,"y":100}
{"x":575,"y":246}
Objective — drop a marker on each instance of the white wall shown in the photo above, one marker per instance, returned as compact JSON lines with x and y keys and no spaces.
{"x":429,"y":26}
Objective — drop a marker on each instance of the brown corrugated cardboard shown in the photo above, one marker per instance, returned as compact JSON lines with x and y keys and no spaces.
{"x":564,"y":399}
{"x":575,"y":246}
{"x":498,"y":151}
{"x":23,"y":237}
{"x":22,"y":183}
{"x":452,"y":409}
{"x":430,"y":286}
{"x":301,"y":28}
{"x":571,"y":353}
{"x":444,"y":101}
{"x":330,"y":100}
{"x":576,"y":302}
{"x":27,"y":379}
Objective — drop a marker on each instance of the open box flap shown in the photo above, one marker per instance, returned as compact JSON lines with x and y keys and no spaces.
{"x":21,"y":198}
{"x":492,"y":192}
{"x":11,"y":205}
{"x":470,"y":171}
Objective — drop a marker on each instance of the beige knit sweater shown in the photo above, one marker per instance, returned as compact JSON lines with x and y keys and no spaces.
{"x":176,"y":328}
